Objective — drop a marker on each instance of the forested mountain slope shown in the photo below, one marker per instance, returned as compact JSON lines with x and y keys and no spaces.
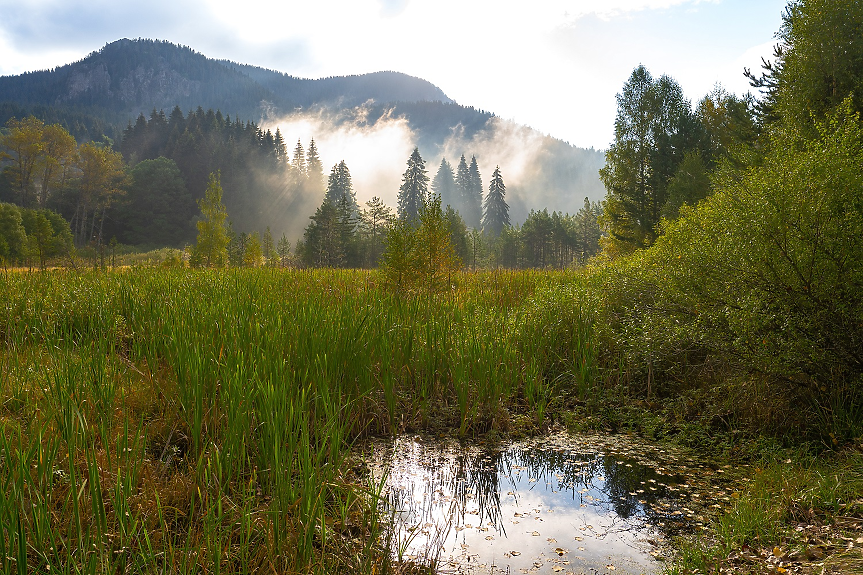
{"x":103,"y":96}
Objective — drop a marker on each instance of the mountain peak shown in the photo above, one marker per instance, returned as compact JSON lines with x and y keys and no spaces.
{"x":133,"y":76}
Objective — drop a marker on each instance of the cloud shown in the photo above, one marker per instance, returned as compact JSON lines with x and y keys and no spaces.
{"x":393,"y":7}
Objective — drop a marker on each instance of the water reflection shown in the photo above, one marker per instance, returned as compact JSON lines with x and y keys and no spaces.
{"x":550,"y":507}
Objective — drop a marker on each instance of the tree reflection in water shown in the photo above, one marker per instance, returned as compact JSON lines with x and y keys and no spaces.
{"x":548,"y":508}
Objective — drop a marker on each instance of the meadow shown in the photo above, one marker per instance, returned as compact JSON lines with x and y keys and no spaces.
{"x":156,"y":420}
{"x":160,"y":420}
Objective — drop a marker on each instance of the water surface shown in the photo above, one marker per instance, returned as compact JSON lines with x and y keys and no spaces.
{"x":559,"y":505}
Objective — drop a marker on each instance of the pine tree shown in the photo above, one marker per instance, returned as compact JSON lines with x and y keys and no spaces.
{"x":496,"y":211}
{"x":419,"y":252}
{"x":323,"y":246}
{"x":458,"y":234}
{"x":211,"y":249}
{"x":462,"y":187}
{"x":284,"y":250}
{"x":314,"y":171}
{"x":339,"y":186}
{"x":375,"y":220}
{"x":588,"y":231}
{"x":473,"y":199}
{"x":268,"y":247}
{"x":279,"y":148}
{"x":413,"y":193}
{"x":236,"y":245}
{"x":347,"y":223}
{"x":444,"y":184}
{"x":299,"y":161}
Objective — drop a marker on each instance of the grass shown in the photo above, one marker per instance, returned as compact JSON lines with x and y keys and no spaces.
{"x":798,"y":513}
{"x":170,"y":420}
{"x":157,"y":419}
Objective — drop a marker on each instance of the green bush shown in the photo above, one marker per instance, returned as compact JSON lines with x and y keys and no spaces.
{"x":762,"y":279}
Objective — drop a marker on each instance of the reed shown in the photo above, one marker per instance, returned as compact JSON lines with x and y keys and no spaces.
{"x":159,"y":420}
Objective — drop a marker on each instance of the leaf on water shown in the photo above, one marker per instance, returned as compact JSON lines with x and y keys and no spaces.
{"x":515,"y":553}
{"x":489,"y":537}
{"x":610,"y":567}
{"x":561,"y":551}
{"x":535,"y":533}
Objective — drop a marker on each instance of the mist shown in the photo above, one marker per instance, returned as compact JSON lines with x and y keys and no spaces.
{"x":539,"y":171}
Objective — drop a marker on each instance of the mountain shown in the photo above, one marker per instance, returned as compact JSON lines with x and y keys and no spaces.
{"x":343,"y":91}
{"x":104,"y":94}
{"x":129,"y":77}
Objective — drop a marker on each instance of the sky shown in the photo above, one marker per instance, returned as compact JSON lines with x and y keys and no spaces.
{"x":554,"y":65}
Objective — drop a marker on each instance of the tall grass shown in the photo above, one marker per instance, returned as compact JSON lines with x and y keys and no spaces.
{"x":201,"y":421}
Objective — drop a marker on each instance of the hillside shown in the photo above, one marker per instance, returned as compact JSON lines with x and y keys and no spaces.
{"x":129,"y":77}
{"x":103,"y":94}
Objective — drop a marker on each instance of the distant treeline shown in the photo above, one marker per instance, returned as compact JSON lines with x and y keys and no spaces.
{"x":259,"y":182}
{"x":82,"y":125}
{"x":146,"y":194}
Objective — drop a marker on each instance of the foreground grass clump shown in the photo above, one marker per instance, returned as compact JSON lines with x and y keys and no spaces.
{"x":155,"y":420}
{"x":798,"y":514}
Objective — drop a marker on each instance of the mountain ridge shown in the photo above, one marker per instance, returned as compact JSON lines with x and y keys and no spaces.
{"x":135,"y":76}
{"x":101,"y":95}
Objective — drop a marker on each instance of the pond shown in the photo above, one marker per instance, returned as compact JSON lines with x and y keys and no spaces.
{"x":557,"y":505}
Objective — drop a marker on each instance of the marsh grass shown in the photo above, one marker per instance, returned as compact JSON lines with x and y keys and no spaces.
{"x":793,"y":490}
{"x":158,"y":420}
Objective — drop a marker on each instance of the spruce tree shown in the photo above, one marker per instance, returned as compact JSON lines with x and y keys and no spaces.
{"x":268,"y":246}
{"x":375,"y":221}
{"x":413,"y":193}
{"x":340,"y":186}
{"x":299,"y":161}
{"x":444,"y":184}
{"x":323,"y":245}
{"x":462,"y":187}
{"x":283,"y":249}
{"x":496,"y":211}
{"x":473,"y":199}
{"x":279,"y":148}
{"x":314,"y":171}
